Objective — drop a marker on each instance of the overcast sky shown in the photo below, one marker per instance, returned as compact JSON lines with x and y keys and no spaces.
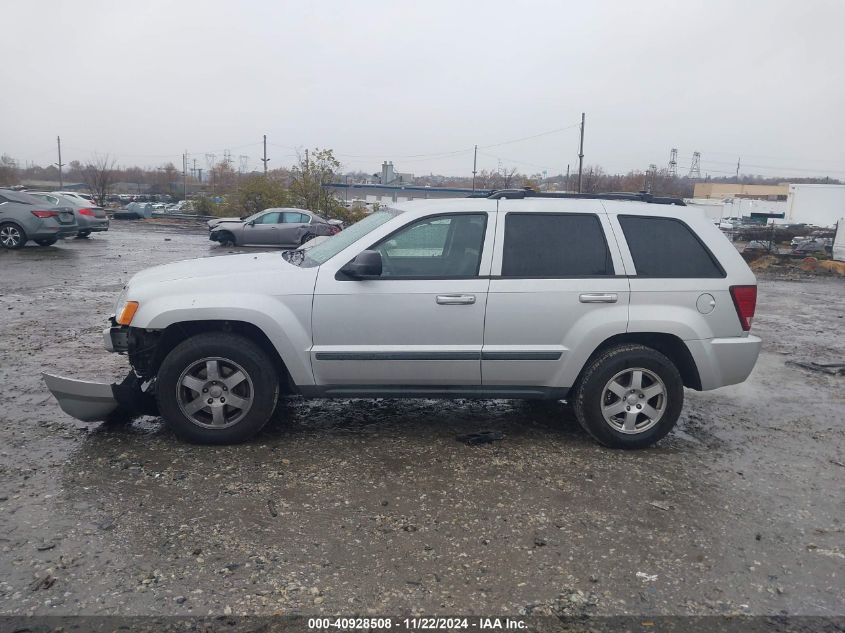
{"x":421,"y":82}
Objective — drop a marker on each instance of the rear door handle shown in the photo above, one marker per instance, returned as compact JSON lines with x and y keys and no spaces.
{"x":598,"y":297}
{"x":455,"y":300}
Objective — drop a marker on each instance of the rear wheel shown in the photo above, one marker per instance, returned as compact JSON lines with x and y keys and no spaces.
{"x":306,"y":238}
{"x":630,"y":396}
{"x":217,"y":388}
{"x":47,"y":242}
{"x":12,"y":236}
{"x":82,"y":234}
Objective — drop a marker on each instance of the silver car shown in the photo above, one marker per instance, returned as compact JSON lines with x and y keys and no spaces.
{"x":24,"y":217}
{"x":271,"y":227}
{"x":89,"y":217}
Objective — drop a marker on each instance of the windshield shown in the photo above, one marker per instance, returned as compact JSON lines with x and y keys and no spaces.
{"x":327,"y":249}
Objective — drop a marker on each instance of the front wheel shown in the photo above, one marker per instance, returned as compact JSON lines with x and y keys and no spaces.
{"x":217,"y":388}
{"x":12,"y":236}
{"x":46,"y":242}
{"x":629,"y":396}
{"x":83,"y":234}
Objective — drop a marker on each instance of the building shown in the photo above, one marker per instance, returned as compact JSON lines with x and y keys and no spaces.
{"x":389,"y":176}
{"x":819,"y":205}
{"x":723,"y":190}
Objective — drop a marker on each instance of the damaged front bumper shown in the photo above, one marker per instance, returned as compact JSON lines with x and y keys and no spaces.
{"x":98,"y":401}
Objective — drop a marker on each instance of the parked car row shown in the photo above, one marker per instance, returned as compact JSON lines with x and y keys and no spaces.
{"x":24,"y":217}
{"x":90,"y":218}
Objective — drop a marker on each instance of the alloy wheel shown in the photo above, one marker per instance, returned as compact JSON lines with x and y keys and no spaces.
{"x":215,"y":393}
{"x":10,"y":236}
{"x":634,"y":400}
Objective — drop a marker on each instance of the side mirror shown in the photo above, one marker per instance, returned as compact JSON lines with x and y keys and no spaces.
{"x":366,"y":264}
{"x":251,"y":223}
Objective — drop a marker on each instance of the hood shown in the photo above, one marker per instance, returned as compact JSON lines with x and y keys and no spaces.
{"x":203,"y":267}
{"x":217,"y":221}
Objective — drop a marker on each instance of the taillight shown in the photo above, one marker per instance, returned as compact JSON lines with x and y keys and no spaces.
{"x":745,"y":301}
{"x":45,"y":214}
{"x":334,"y":230}
{"x":86,"y":212}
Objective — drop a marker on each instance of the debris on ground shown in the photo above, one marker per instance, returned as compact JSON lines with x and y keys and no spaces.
{"x":481,"y":437}
{"x":834,"y":369}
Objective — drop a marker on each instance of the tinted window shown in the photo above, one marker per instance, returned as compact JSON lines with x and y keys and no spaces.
{"x":273,"y":217}
{"x":440,"y":246}
{"x":665,"y":247}
{"x":554,"y":245}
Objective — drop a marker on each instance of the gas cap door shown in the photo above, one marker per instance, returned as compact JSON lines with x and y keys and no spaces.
{"x":706,"y":303}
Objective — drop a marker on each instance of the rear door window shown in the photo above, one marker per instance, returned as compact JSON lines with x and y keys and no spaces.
{"x":667,"y":248}
{"x":554,"y":245}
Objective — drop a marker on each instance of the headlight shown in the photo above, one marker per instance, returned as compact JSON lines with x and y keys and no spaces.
{"x":127,"y":312}
{"x":121,"y":299}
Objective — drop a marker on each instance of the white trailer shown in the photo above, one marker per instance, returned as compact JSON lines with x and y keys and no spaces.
{"x":820,"y":205}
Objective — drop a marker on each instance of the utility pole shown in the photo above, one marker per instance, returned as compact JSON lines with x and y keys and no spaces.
{"x":265,"y":159}
{"x":567,"y":176}
{"x":194,"y":169}
{"x":737,"y":169}
{"x":581,"y":155}
{"x":474,"y":165}
{"x":185,"y":175}
{"x":60,"y":163}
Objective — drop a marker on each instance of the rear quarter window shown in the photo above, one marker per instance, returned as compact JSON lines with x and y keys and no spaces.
{"x":668,"y":248}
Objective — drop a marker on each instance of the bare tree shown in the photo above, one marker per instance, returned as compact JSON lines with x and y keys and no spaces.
{"x":8,"y":170}
{"x":99,"y":176}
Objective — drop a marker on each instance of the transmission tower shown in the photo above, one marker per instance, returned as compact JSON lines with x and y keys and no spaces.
{"x":695,"y":167}
{"x":673,"y":162}
{"x":209,"y":160}
{"x":227,"y":158}
{"x":243,"y":163}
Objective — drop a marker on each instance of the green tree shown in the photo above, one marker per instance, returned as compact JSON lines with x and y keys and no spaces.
{"x":256,"y":193}
{"x":312,"y":171}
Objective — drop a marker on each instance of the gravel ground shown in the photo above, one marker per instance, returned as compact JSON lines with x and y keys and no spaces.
{"x":374,"y":507}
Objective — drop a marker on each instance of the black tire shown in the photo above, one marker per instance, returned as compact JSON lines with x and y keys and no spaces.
{"x":83,"y":234}
{"x":590,"y":396}
{"x":230,"y":350}
{"x":47,"y":242}
{"x":12,"y":236}
{"x":306,"y":238}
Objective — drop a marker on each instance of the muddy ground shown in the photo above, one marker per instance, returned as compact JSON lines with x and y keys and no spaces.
{"x":374,"y":507}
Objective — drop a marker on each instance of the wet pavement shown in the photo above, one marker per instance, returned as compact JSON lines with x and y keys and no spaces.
{"x":375,"y":507}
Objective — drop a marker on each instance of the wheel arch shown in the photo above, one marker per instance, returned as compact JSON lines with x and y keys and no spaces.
{"x":148,"y":348}
{"x":669,"y":345}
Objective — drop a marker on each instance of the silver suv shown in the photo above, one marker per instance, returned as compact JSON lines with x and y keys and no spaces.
{"x":613,"y":305}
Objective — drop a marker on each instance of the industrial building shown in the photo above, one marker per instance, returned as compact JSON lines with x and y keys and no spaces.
{"x":721,"y":190}
{"x":819,"y":205}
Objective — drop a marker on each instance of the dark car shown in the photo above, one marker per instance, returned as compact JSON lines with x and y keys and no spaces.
{"x":272,"y":227}
{"x":90,"y":217}
{"x":24,"y":218}
{"x":809,"y":247}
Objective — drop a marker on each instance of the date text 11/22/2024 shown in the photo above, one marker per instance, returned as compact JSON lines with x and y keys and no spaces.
{"x":420,"y":623}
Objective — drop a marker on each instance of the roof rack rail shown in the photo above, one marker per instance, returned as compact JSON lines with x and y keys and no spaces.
{"x":641,"y":196}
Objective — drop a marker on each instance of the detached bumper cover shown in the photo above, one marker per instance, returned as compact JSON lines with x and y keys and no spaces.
{"x":81,"y":399}
{"x":96,"y":401}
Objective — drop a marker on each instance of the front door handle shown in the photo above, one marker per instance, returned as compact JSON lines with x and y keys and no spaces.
{"x":598,"y":297}
{"x":455,"y":300}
